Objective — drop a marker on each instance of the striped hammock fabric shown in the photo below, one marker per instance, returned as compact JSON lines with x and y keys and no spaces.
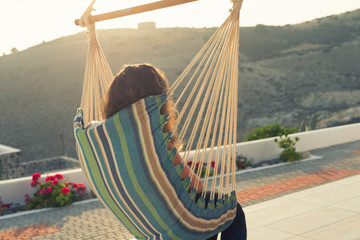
{"x":129,"y":168}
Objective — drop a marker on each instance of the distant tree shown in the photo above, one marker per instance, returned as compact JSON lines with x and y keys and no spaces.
{"x":14,"y":50}
{"x":260,"y":28}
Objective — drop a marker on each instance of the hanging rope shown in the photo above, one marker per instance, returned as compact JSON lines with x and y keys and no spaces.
{"x":211,"y":79}
{"x":98,"y":73}
{"x":210,"y":127}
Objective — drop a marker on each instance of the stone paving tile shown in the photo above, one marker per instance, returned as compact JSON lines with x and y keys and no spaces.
{"x":342,"y":156}
{"x":73,"y":222}
{"x":87,"y":221}
{"x":293,"y":183}
{"x":28,"y":231}
{"x":346,"y":160}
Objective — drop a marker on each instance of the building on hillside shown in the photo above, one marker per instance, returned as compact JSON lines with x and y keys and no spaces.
{"x":147,"y":26}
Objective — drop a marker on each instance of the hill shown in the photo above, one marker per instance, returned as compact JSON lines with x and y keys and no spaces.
{"x":287,"y":73}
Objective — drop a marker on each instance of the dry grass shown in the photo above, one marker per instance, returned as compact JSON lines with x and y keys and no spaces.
{"x":40,"y":88}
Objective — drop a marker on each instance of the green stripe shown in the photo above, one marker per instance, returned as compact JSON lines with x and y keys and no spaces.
{"x":134,"y":181}
{"x":100,"y":186}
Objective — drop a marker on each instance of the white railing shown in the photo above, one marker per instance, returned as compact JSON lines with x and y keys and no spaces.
{"x":267,"y":149}
{"x":13,"y":190}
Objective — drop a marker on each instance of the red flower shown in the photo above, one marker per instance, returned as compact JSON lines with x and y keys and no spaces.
{"x":59,"y":176}
{"x":71,"y":184}
{"x":34,"y":183}
{"x":49,"y":178}
{"x":28,"y":200}
{"x":189,"y":163}
{"x":39,"y":192}
{"x":81,"y":188}
{"x":26,"y":195}
{"x":239,"y":165}
{"x":55,"y":182}
{"x":65,"y":190}
{"x":198,"y":164}
{"x":47,"y":190}
{"x":36,"y":176}
{"x":8,"y":205}
{"x":212,"y":164}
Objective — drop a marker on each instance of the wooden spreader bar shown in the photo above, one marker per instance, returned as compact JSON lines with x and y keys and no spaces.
{"x":135,"y":10}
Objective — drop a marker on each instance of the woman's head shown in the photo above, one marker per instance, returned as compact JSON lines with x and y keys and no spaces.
{"x":133,"y":83}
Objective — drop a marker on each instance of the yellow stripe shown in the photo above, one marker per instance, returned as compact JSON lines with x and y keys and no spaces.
{"x":101,"y":189}
{"x":122,"y":183}
{"x":134,"y":180}
{"x":163,"y":184}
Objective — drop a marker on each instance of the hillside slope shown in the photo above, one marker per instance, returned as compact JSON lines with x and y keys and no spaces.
{"x":286,"y":74}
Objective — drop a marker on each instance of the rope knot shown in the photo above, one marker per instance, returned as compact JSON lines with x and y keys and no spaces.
{"x":236,"y":5}
{"x":84,"y":20}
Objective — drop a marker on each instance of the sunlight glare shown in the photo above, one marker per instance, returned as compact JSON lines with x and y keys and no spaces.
{"x":29,"y":22}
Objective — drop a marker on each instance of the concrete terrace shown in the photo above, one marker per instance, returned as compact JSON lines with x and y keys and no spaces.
{"x":317,"y":199}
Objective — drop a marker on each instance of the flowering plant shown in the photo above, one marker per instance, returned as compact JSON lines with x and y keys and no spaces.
{"x":5,"y":205}
{"x":203,"y":170}
{"x":6,"y":208}
{"x":53,"y":192}
{"x":242,"y":162}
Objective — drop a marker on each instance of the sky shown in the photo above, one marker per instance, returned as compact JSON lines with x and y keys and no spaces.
{"x":24,"y":23}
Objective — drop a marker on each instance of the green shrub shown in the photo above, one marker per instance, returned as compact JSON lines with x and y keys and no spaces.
{"x":268,"y":131}
{"x":289,"y":153}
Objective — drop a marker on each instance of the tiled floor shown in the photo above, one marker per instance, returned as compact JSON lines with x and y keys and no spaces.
{"x":326,"y":212}
{"x":293,"y":183}
{"x":311,"y":200}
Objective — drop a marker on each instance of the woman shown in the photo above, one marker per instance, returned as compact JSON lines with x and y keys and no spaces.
{"x":135,"y":82}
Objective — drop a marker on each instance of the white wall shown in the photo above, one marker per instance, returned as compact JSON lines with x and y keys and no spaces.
{"x":266,"y":149}
{"x":13,"y":190}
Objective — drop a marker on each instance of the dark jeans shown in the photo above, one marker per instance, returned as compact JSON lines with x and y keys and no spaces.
{"x":237,"y":229}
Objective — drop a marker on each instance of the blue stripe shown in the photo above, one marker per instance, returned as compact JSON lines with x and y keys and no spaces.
{"x":143,"y":176}
{"x":134,"y":155}
{"x":137,"y":161}
{"x":119,"y":186}
{"x":156,"y":121}
{"x":102,"y":177}
{"x":174,"y":178}
{"x":155,"y":196}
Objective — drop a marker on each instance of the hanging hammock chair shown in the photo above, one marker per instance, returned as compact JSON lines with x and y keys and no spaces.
{"x":125,"y":157}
